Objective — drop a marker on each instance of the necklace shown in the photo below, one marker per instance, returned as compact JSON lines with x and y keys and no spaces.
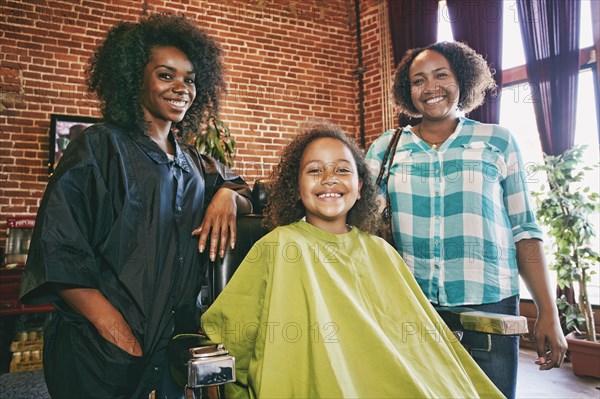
{"x":433,"y":144}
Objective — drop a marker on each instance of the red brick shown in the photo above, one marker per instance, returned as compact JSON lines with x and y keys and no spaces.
{"x":286,"y":63}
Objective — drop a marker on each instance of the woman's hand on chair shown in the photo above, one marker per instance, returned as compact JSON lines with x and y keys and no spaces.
{"x":219,"y":223}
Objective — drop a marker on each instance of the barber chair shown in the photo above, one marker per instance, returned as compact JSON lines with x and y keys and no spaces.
{"x":192,"y":356}
{"x":250,"y":230}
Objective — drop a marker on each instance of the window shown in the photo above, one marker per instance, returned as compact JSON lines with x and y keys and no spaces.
{"x":517,"y":114}
{"x":516,"y":108}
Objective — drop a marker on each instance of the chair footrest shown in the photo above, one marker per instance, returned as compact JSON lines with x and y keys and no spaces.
{"x":210,"y":365}
{"x":486,"y":322}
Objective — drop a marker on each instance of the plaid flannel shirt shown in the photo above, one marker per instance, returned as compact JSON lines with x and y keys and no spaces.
{"x":458,"y":212}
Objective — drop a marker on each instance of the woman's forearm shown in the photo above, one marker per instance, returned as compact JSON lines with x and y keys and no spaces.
{"x":109,"y":322}
{"x":534,"y":272}
{"x":243,"y":204}
{"x":551,"y":345}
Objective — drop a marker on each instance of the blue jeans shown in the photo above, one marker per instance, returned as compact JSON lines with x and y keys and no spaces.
{"x":499,"y":361}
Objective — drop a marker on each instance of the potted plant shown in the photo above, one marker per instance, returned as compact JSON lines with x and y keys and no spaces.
{"x":567,"y":212}
{"x":212,"y":138}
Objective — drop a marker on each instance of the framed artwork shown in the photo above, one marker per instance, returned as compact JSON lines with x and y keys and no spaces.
{"x":63,"y":130}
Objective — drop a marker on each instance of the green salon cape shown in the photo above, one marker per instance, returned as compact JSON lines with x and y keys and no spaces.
{"x":310,"y":314}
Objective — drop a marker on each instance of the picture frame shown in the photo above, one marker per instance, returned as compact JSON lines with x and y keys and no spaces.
{"x":63,"y":130}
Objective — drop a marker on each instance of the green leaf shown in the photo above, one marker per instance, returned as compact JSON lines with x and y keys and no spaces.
{"x":567,"y":214}
{"x":215,"y":140}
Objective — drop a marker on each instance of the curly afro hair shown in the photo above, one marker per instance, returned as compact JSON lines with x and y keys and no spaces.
{"x":116,"y":69}
{"x":284,"y":205}
{"x":472,"y":72}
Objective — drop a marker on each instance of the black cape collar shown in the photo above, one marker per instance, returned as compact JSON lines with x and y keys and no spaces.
{"x":159,"y":156}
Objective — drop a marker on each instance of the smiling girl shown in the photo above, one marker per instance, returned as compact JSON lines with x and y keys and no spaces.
{"x":114,"y":247}
{"x":321,"y":308}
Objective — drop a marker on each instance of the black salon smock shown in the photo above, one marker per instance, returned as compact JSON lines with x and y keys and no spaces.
{"x":118,"y":216}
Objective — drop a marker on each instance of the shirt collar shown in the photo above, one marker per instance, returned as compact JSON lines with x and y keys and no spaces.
{"x":159,"y":156}
{"x":461,"y":122}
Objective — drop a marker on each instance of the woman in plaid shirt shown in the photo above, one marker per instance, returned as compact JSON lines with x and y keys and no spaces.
{"x":461,"y":212}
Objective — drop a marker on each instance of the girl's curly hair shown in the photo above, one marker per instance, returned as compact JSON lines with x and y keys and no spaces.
{"x":472,"y":72}
{"x":116,"y":69}
{"x":284,"y":205}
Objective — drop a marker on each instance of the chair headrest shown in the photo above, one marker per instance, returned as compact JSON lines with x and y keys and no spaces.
{"x":260,"y":195}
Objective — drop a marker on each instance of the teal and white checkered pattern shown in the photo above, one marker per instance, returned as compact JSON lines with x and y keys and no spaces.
{"x":458,"y":211}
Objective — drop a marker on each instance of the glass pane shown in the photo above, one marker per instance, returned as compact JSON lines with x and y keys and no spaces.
{"x":517,"y":114}
{"x":586,"y":38}
{"x":586,"y":128}
{"x":512,"y":44}
{"x":586,"y":132}
{"x":444,"y":27}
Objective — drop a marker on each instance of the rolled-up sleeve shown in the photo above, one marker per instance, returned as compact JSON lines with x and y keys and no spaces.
{"x":517,"y":199}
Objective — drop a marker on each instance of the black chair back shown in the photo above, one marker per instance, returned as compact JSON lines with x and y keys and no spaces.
{"x":249,"y":231}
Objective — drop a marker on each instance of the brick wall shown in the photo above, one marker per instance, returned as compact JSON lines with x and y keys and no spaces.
{"x":286,"y":62}
{"x":378,"y":62}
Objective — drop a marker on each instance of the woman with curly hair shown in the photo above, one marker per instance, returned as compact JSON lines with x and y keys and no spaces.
{"x":461,"y":212}
{"x":321,"y":308}
{"x":114,"y":245}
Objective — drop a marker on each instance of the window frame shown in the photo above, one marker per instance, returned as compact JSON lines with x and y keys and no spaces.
{"x":587,"y":60}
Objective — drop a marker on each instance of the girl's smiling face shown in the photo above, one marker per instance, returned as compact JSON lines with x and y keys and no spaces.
{"x":434,"y":88}
{"x":168,"y":88}
{"x":328,"y":183}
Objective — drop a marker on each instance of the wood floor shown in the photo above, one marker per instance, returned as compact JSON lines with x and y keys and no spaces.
{"x":532,"y":383}
{"x":552,"y":384}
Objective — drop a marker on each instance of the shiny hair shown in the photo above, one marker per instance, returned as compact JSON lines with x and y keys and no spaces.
{"x":284,"y":205}
{"x":116,"y":69}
